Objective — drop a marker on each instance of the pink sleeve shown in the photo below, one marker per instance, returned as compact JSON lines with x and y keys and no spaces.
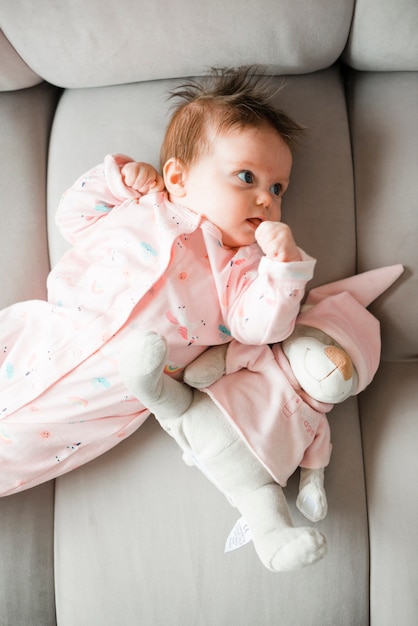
{"x":92,"y":197}
{"x":250,"y":357}
{"x":263,"y":307}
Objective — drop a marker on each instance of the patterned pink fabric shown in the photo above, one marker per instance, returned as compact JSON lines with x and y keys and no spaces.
{"x":137,"y":263}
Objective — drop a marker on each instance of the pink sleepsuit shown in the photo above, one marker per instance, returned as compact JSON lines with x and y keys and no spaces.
{"x":137,"y":263}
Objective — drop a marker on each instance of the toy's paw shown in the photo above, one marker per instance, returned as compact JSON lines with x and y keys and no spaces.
{"x":207,"y":368}
{"x":187,"y":459}
{"x":312,"y":502}
{"x":292,"y":549}
{"x":142,"y":358}
{"x":152,"y":351}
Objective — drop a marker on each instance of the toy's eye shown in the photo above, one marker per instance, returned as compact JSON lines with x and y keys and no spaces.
{"x":246,"y":176}
{"x":276,"y":189}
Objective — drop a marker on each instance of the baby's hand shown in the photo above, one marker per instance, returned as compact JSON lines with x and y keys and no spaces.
{"x":277,"y":242}
{"x":142,"y":177}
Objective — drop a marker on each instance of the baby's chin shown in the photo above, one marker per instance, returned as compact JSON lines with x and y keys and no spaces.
{"x":240,"y":240}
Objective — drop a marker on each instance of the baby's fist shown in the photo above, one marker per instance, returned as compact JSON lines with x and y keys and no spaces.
{"x":142,"y":177}
{"x":277,"y":242}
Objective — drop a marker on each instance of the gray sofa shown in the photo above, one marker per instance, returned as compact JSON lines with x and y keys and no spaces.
{"x":136,"y":537}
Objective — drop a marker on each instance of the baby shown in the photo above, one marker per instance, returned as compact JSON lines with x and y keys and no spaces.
{"x":199,"y":255}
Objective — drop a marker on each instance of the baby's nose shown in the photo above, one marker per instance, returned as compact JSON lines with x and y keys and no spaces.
{"x":264,"y":198}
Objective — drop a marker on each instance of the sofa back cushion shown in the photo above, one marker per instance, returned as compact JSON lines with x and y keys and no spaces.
{"x":14,"y":72}
{"x":96,"y":43}
{"x":383,"y":36}
{"x":382,"y":109}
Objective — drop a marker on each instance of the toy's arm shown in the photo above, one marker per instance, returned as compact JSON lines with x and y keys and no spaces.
{"x":200,"y":428}
{"x":207,"y":368}
{"x":225,"y":359}
{"x":312,"y":499}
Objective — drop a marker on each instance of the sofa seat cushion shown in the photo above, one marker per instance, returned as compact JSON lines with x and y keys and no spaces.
{"x":131,"y":119}
{"x":139,"y":538}
{"x":129,"y":525}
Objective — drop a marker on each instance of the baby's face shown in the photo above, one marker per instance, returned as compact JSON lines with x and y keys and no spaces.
{"x":240,"y":183}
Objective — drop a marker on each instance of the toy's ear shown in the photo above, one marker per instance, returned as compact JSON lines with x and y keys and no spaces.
{"x":364,"y":287}
{"x":173,"y":173}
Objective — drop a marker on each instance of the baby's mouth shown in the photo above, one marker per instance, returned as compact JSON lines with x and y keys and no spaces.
{"x":254,"y":221}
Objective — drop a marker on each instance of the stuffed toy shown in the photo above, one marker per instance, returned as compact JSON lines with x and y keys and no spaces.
{"x":250,"y":415}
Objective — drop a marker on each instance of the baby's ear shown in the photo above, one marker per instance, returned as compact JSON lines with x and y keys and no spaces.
{"x":173,"y":172}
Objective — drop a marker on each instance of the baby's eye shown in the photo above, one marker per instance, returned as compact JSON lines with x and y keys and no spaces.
{"x":246,"y":176}
{"x":276,"y":189}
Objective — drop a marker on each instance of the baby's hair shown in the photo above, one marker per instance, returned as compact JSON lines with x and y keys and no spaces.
{"x":226,"y":98}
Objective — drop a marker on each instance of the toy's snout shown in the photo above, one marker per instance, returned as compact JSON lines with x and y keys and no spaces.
{"x":341,"y":360}
{"x":324,"y":371}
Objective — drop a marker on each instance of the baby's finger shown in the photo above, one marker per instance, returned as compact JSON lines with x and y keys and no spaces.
{"x":129,"y":173}
{"x":152,"y":183}
{"x":146,"y":185}
{"x":158,"y":184}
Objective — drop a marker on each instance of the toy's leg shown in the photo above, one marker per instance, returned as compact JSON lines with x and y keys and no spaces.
{"x":141,"y":368}
{"x":261,"y":501}
{"x":312,"y":499}
{"x":172,"y":402}
{"x":280,"y":546}
{"x":201,"y":429}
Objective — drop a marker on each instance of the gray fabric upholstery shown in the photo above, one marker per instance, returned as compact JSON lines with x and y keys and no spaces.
{"x":390,"y":434}
{"x":136,"y":536}
{"x":326,"y":185}
{"x":26,"y":519}
{"x":91,"y":44}
{"x":27,"y":558}
{"x":164,"y":533}
{"x":25,"y":118}
{"x":383,"y":36}
{"x":14,"y":72}
{"x":384,"y":126}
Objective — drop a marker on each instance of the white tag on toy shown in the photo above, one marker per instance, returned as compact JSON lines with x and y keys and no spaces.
{"x":239,"y":536}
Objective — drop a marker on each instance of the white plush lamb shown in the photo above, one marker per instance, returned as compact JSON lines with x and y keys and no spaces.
{"x":260,"y":412}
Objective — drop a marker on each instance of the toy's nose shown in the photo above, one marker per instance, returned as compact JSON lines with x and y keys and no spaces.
{"x":341,"y":361}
